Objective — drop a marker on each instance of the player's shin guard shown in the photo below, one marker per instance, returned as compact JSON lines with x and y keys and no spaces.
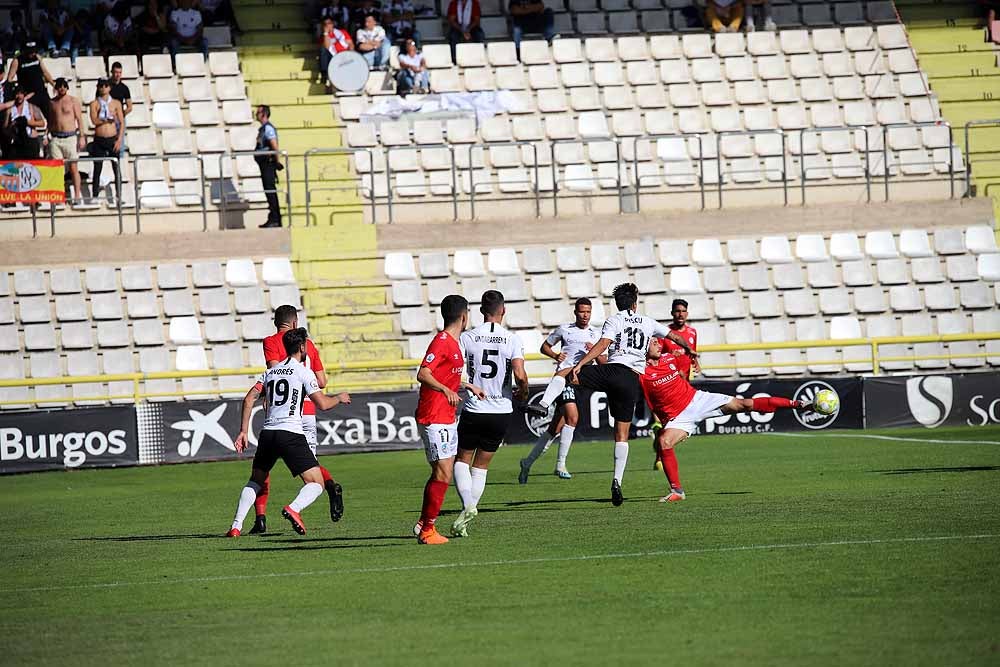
{"x":434,"y":492}
{"x":772,"y":403}
{"x":565,"y":442}
{"x":463,"y":484}
{"x":621,"y":458}
{"x":247,"y":497}
{"x":669,"y":460}
{"x":260,"y":504}
{"x":307,"y":494}
{"x":555,"y":387}
{"x":478,"y":484}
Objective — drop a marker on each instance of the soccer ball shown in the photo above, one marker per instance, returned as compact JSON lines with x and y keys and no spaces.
{"x":827,"y":402}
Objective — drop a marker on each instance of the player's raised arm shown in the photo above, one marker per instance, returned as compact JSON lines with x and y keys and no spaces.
{"x":547,"y":344}
{"x":325,"y":402}
{"x":661,"y":331}
{"x":248,"y":403}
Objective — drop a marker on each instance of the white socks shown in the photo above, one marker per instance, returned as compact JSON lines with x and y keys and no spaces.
{"x":552,"y":391}
{"x":307,"y":495}
{"x":463,"y":483}
{"x":478,"y":484}
{"x":621,"y":458}
{"x":247,"y":497}
{"x":541,"y":446}
{"x":565,"y":442}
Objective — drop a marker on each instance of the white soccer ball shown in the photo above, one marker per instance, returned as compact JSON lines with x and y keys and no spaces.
{"x":827,"y":402}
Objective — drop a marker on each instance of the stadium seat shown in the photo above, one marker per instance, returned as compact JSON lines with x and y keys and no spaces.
{"x":949,"y":241}
{"x":988,"y":266}
{"x":34,"y":309}
{"x":980,"y":240}
{"x":685,"y":280}
{"x":241,"y":273}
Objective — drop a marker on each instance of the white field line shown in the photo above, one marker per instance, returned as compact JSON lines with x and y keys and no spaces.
{"x":872,"y":436}
{"x":503,"y":563}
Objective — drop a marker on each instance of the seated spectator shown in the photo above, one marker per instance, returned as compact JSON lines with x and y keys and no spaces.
{"x":118,"y":33}
{"x":400,"y":18}
{"x":218,"y":11}
{"x":82,"y":31}
{"x":333,"y":41}
{"x":759,"y":11}
{"x":463,"y":24}
{"x":724,"y":15}
{"x":152,"y":28}
{"x":992,"y":8}
{"x":531,"y":16}
{"x":413,"y":76}
{"x":340,"y":12}
{"x":373,"y":45}
{"x":15,"y":33}
{"x":23,"y":126}
{"x":186,"y":29}
{"x":56,"y":27}
{"x":362,"y":10}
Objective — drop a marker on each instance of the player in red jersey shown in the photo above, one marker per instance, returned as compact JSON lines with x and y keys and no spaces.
{"x":285,"y":319}
{"x":679,"y":325}
{"x":679,"y":407}
{"x":440,"y":378}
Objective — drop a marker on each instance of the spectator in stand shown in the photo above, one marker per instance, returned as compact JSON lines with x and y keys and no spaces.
{"x":269,"y":164}
{"x":373,"y":44}
{"x":109,"y":133}
{"x":362,"y":10}
{"x":31,"y":74}
{"x":152,"y":24}
{"x":15,"y":33}
{"x":56,"y":26}
{"x":82,"y":31}
{"x":66,"y":130}
{"x":23,"y":126}
{"x":992,"y":9}
{"x":101,"y":9}
{"x":401,"y":19}
{"x":531,"y":16}
{"x":118,"y":31}
{"x":724,"y":15}
{"x":120,"y":91}
{"x":759,"y":11}
{"x":186,"y":29}
{"x":463,"y":24}
{"x":413,"y":76}
{"x":218,"y":11}
{"x":333,"y":41}
{"x":340,"y":12}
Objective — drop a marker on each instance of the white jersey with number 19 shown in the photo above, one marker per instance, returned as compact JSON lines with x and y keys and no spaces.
{"x":285,"y":386}
{"x":630,"y":333}
{"x":489,"y":350}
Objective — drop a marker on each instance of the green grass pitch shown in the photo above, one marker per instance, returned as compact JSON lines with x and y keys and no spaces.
{"x":819,"y":550}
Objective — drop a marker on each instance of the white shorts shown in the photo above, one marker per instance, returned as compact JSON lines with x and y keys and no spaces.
{"x":309,"y":430}
{"x":440,"y":440}
{"x":703,"y":405}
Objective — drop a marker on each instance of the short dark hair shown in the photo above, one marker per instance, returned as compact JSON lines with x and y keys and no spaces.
{"x":266,"y":109}
{"x":61,"y":83}
{"x":582,"y":301}
{"x":20,"y":89}
{"x":285,"y":315}
{"x":116,"y":65}
{"x":294,"y":339}
{"x":492,"y":302}
{"x":678,"y":302}
{"x":103,"y":82}
{"x":452,"y":307}
{"x":626,"y":296}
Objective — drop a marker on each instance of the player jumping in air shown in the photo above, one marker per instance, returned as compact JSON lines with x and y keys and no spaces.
{"x":494,"y":360}
{"x":625,"y":337}
{"x":286,"y":319}
{"x":679,"y":325}
{"x":679,"y":407}
{"x":285,"y":386}
{"x":575,"y":340}
{"x":440,"y":378}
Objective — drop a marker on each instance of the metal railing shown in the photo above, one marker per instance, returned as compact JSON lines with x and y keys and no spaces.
{"x":283,"y":158}
{"x":169,"y":196}
{"x":95,"y":189}
{"x":352,"y":185}
{"x":340,"y":369}
{"x":994,"y":122}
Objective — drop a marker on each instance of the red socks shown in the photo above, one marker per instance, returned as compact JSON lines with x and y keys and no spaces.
{"x":260,"y":505}
{"x":326,"y":474}
{"x":669,"y":460}
{"x":772,"y":403}
{"x":433,"y":499}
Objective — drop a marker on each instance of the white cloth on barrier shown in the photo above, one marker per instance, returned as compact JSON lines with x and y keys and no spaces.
{"x":485,"y":104}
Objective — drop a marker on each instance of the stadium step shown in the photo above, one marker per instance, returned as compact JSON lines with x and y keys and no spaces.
{"x":291,"y":117}
{"x":294,"y":91}
{"x":270,"y":67}
{"x":943,"y":15}
{"x":956,"y":64}
{"x":982,"y":88}
{"x":282,"y":17}
{"x":948,"y":40}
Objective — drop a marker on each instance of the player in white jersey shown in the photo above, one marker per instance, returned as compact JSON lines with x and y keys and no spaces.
{"x":575,"y":340}
{"x":285,"y":387}
{"x":494,"y":361}
{"x":625,"y":337}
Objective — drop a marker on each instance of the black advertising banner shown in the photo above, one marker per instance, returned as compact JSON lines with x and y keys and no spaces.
{"x":972,"y":399}
{"x":65,"y":439}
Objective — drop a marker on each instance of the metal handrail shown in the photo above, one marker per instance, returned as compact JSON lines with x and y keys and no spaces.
{"x":968,"y":163}
{"x":655,"y":137}
{"x":752,"y":133}
{"x":169,"y":196}
{"x":352,"y":187}
{"x":389,"y":150}
{"x":282,"y":154}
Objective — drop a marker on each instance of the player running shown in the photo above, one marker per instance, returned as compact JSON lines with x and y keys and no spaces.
{"x":625,"y":337}
{"x":679,"y":407}
{"x":575,"y":340}
{"x":492,"y":355}
{"x":679,"y":325}
{"x":286,"y":319}
{"x":285,"y":387}
{"x":440,"y":378}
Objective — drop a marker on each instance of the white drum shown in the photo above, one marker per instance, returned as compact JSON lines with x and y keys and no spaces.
{"x":348,"y":71}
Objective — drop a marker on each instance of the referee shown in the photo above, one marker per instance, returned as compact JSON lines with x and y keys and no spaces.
{"x":270,"y":165}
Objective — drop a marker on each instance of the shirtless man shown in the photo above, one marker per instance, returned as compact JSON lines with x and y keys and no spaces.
{"x":66,"y":130}
{"x":109,"y":129}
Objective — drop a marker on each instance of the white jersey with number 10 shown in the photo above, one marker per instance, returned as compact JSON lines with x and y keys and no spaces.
{"x":630,"y":333}
{"x":285,"y":386}
{"x":489,"y":350}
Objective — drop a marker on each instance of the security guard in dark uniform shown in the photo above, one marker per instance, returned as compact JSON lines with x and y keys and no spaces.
{"x":270,"y":165}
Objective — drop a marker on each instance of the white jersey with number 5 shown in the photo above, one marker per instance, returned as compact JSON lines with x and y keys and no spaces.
{"x":285,"y":386}
{"x":630,"y":333}
{"x":574,"y":342}
{"x":489,"y":350}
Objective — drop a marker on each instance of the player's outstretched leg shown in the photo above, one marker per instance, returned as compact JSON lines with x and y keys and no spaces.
{"x":312,"y":488}
{"x":541,"y":446}
{"x":247,"y":497}
{"x":336,"y":493}
{"x":552,"y":391}
{"x":666,"y":440}
{"x":572,"y":417}
{"x":621,"y":460}
{"x":260,"y":508}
